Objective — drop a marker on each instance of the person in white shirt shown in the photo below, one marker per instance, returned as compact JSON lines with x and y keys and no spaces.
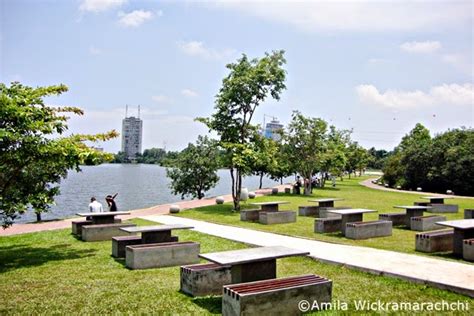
{"x":95,"y":206}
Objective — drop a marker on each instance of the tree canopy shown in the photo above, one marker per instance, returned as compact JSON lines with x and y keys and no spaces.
{"x":34,"y":154}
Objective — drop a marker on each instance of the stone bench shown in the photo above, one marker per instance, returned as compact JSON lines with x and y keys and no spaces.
{"x":161,"y":255}
{"x":369,"y":229}
{"x":323,"y":211}
{"x":77,"y":226}
{"x":327,"y":225}
{"x":308,"y":210}
{"x":443,"y":208}
{"x":438,"y":241}
{"x":468,"y":249}
{"x":103,"y":231}
{"x":424,"y":223}
{"x":397,"y":219}
{"x":276,"y":296}
{"x":469,"y":213}
{"x":288,"y":190}
{"x":120,"y":242}
{"x":204,"y":279}
{"x":249,"y":215}
{"x":280,"y":217}
{"x":421,"y":203}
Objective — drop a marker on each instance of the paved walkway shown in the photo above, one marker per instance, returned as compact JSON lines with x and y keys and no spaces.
{"x":458,"y":277}
{"x":368,"y":183}
{"x":154,"y":210}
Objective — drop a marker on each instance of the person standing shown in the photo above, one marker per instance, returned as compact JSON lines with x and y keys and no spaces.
{"x":111,"y":202}
{"x":95,"y":206}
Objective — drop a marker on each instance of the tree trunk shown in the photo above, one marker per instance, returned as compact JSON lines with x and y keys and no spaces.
{"x":238,"y":189}
{"x":281,"y":180}
{"x":261,"y":180}
{"x":233,"y":186}
{"x":38,"y":216}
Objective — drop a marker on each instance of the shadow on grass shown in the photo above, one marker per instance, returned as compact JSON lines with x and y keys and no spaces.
{"x":22,"y":256}
{"x":213,"y":304}
{"x":223,"y":210}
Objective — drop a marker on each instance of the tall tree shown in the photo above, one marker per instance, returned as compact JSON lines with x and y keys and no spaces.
{"x":34,"y":156}
{"x":266,"y":151}
{"x":306,"y":141}
{"x":195,"y":169}
{"x":247,"y":85}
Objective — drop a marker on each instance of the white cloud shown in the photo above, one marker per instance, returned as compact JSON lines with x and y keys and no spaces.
{"x":195,"y":48}
{"x":460,"y":62}
{"x":135,"y":18}
{"x":355,"y":15}
{"x":161,"y":98}
{"x":421,"y":47}
{"x":189,"y":93}
{"x":94,"y":50}
{"x":100,"y":5}
{"x":446,"y":94}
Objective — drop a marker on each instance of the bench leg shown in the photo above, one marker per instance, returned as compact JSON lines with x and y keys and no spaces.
{"x":349,"y":218}
{"x":459,"y":236}
{"x":410,"y":214}
{"x":253,"y":271}
{"x":156,"y":237}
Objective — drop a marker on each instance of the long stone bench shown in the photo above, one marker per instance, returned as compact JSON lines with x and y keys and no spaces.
{"x":327,"y":225}
{"x":308,"y":210}
{"x":425,"y":223}
{"x":204,"y":279}
{"x":161,"y":255}
{"x":369,"y":229}
{"x":249,"y":215}
{"x":469,"y":213}
{"x":438,"y":241}
{"x":323,"y":211}
{"x":120,"y":242}
{"x":397,"y":219}
{"x":275,"y":297}
{"x":280,"y":217}
{"x":468,"y":249}
{"x":77,"y":226}
{"x":103,"y":231}
{"x":443,"y":208}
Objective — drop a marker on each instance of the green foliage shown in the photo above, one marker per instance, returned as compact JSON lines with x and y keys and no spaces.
{"x":266,"y":152}
{"x":34,"y":157}
{"x":357,"y":158}
{"x":378,"y":158}
{"x":247,"y":85}
{"x":445,"y":162}
{"x":195,"y":169}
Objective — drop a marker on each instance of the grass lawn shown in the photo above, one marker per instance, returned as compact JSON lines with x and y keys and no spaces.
{"x":354,"y":195}
{"x":54,"y":273}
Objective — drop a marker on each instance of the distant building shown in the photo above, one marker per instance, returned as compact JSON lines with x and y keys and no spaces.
{"x":132,"y":136}
{"x":271,"y":130}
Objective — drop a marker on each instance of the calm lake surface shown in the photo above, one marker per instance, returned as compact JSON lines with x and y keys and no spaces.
{"x":138,"y":186}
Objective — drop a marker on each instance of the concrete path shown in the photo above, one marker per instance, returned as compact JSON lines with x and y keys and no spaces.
{"x":368,"y":183}
{"x":458,"y":277}
{"x":16,"y":229}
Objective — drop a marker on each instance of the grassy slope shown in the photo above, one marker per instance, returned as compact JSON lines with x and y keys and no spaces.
{"x":52,"y":272}
{"x":355,"y":196}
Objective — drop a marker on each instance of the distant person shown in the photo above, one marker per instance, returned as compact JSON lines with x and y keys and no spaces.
{"x":297,"y":185}
{"x":95,"y":206}
{"x":111,"y":202}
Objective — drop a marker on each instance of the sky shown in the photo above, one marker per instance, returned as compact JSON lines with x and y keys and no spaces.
{"x":376,"y":67}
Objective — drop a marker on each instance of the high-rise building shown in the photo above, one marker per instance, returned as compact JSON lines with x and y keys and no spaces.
{"x":132,"y":135}
{"x":271,"y":129}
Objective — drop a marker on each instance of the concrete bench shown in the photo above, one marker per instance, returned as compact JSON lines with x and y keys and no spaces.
{"x":288,"y":190}
{"x":397,"y":219}
{"x":438,"y":241}
{"x":77,"y":226}
{"x":369,"y":229}
{"x":327,"y":225}
{"x":424,"y":223}
{"x":249,"y":215}
{"x":421,"y":203}
{"x":103,"y":231}
{"x":443,"y":208}
{"x":323,"y":211}
{"x":280,"y":217}
{"x":469,"y":213}
{"x":204,"y":279}
{"x":468,"y":249}
{"x":275,"y":297}
{"x":161,"y":255}
{"x":308,"y":210}
{"x":120,"y":242}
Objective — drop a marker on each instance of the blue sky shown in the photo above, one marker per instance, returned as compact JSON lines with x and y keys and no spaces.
{"x":378,"y":67}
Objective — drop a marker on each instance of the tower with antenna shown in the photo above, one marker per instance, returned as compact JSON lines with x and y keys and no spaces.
{"x":132,"y":128}
{"x":270,"y":129}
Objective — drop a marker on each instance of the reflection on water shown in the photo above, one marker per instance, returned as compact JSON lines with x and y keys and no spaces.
{"x":138,"y":186}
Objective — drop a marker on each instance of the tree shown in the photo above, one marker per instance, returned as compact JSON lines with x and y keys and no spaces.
{"x":306,"y":141}
{"x":247,"y":85}
{"x":34,"y":156}
{"x":335,"y":158}
{"x":357,"y":158}
{"x":266,"y":151}
{"x":195,"y":169}
{"x":152,"y":156}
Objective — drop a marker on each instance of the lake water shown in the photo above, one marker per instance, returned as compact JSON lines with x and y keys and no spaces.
{"x":138,"y":186}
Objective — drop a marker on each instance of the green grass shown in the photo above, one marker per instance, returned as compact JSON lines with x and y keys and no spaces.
{"x":354,"y":195}
{"x":52,"y":272}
